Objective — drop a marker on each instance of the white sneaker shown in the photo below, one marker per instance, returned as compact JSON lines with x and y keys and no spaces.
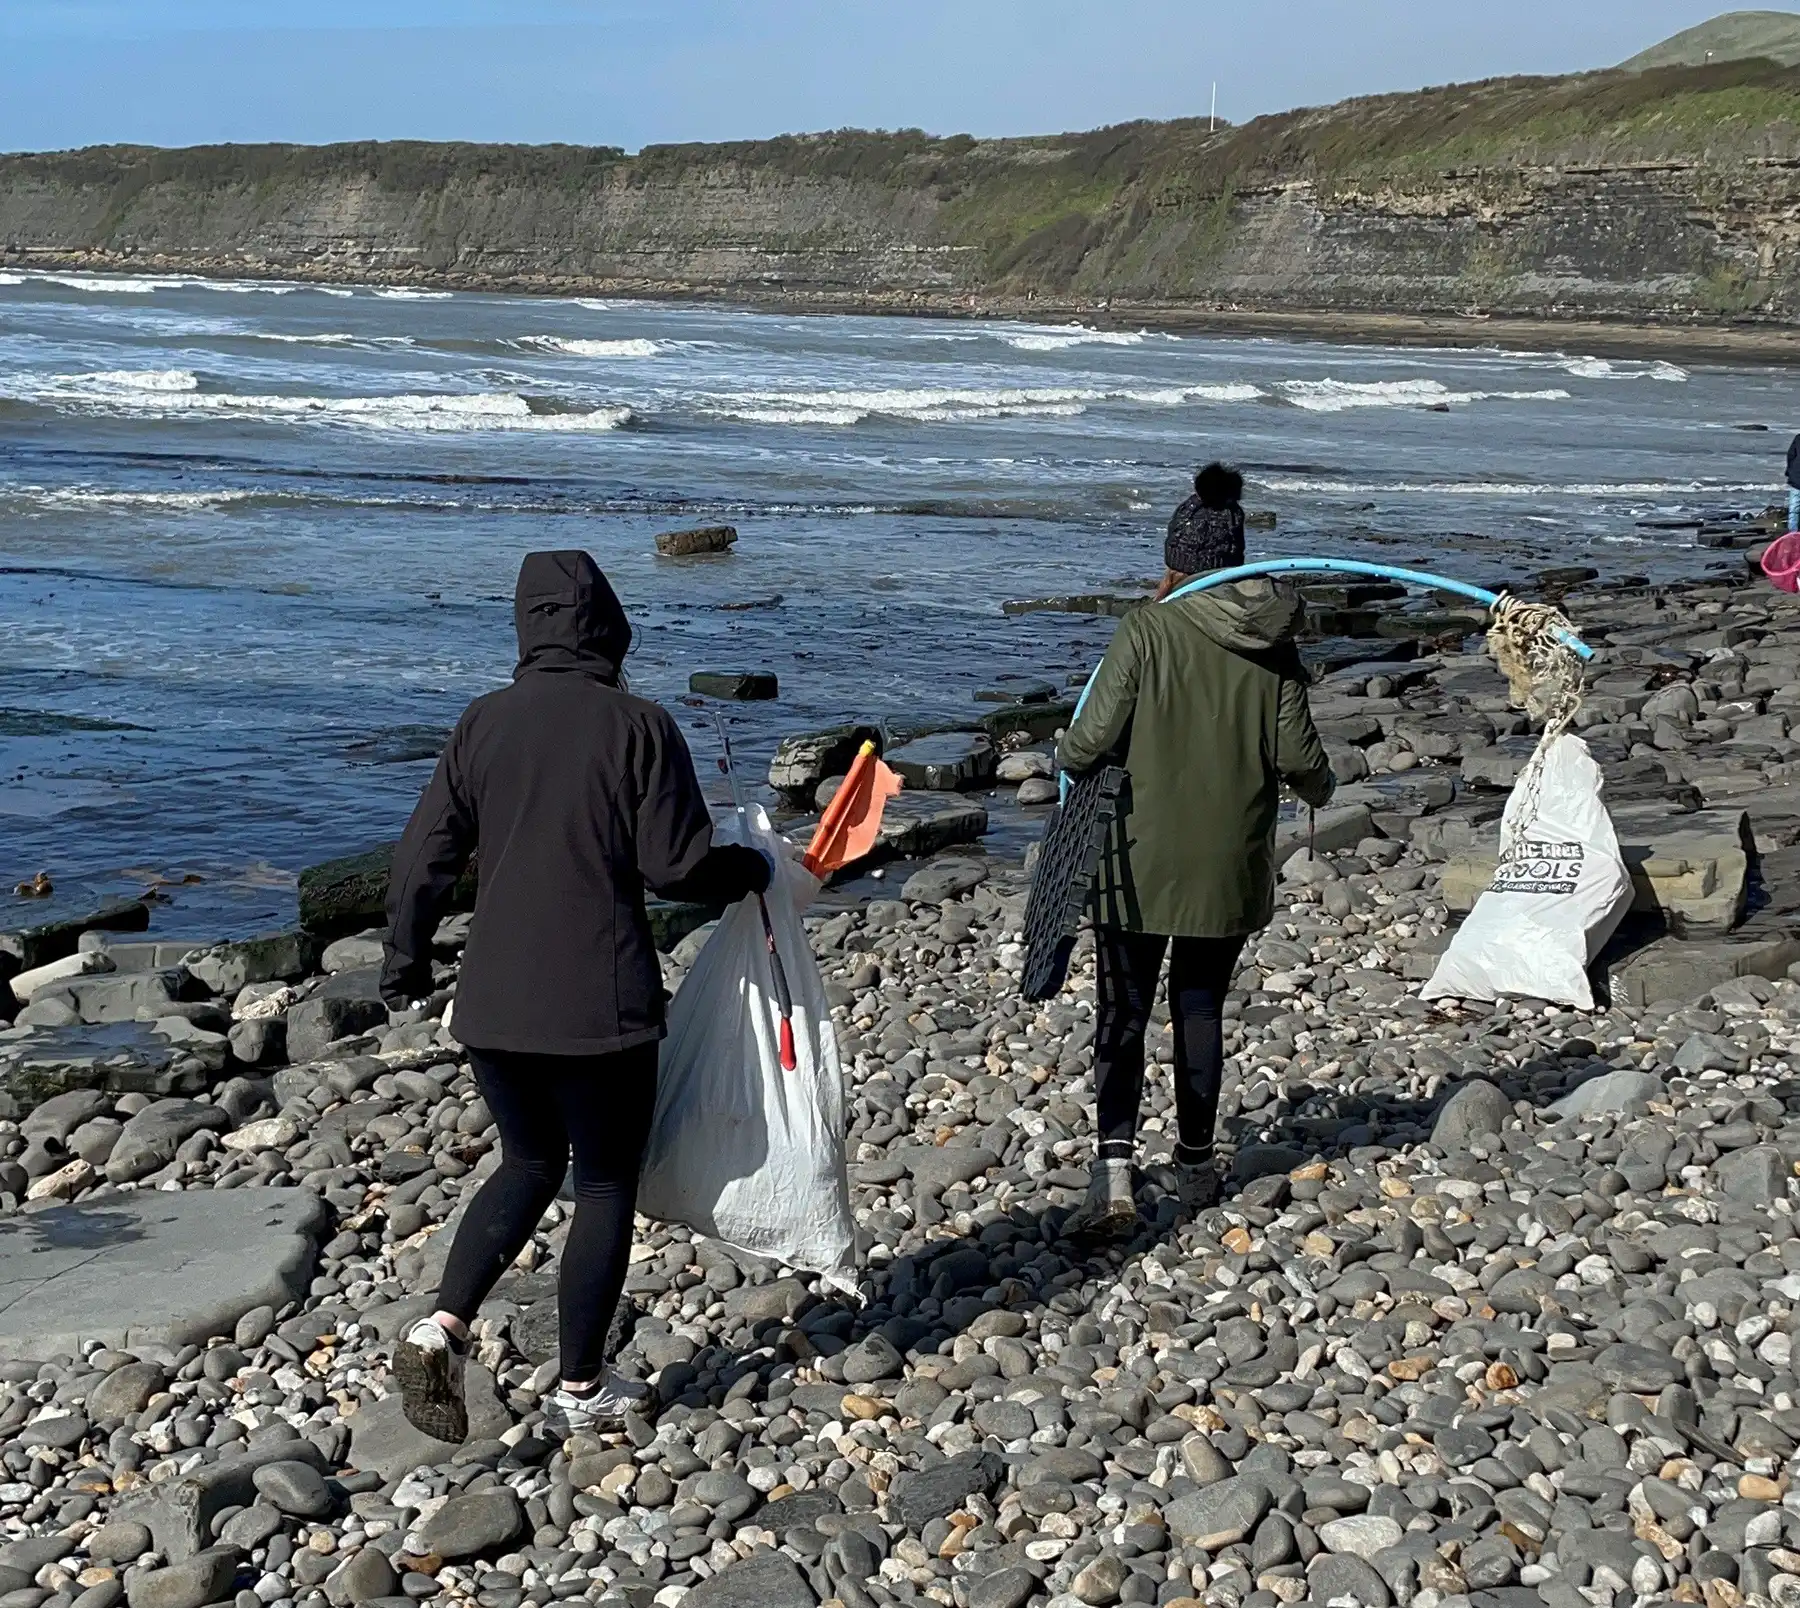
{"x":429,"y":1365}
{"x":1110,"y":1208}
{"x":566,"y":1413}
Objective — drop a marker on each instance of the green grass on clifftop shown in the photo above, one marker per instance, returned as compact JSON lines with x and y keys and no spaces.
{"x":1052,"y":210}
{"x":1734,"y":36}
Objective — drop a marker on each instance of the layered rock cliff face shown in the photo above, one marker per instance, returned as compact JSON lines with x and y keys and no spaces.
{"x":1672,"y":195}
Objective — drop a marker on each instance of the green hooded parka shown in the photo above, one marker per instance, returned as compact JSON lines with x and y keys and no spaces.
{"x":1203,"y":701}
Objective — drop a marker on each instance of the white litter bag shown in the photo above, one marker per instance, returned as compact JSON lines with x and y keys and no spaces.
{"x":1558,"y":892}
{"x":740,"y":1150}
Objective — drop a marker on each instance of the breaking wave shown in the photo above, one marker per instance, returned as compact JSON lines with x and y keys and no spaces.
{"x":570,"y":347}
{"x":1059,"y":340}
{"x":175,"y":393}
{"x":1339,"y":396}
{"x":1601,"y":368}
{"x":147,"y":284}
{"x":952,"y":405}
{"x":94,"y":497}
{"x":336,"y":338}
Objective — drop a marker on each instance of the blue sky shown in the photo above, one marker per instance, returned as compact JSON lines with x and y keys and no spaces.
{"x":630,"y":73}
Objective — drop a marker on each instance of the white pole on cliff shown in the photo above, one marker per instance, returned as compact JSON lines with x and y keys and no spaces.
{"x":1212,"y":117}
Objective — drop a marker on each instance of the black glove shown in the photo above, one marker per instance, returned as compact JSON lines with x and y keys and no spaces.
{"x":750,"y":868}
{"x":730,"y":872}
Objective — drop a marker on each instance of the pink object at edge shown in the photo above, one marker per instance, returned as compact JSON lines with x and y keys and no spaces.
{"x":1781,"y":561}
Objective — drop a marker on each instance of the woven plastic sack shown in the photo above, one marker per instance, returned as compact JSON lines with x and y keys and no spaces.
{"x":1559,"y":890}
{"x":740,"y":1150}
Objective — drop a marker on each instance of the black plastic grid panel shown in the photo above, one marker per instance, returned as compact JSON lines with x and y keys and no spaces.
{"x":1068,"y":859}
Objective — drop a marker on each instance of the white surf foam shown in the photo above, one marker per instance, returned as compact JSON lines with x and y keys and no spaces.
{"x":335,"y":338}
{"x":571,"y":347}
{"x":1174,"y":396}
{"x":242,"y":287}
{"x":148,"y":284}
{"x":175,"y":393}
{"x":950,"y":405}
{"x":94,"y":286}
{"x":94,"y":497}
{"x":1058,"y":340}
{"x":1601,"y":368}
{"x":402,"y":293}
{"x":1338,"y":396}
{"x":132,"y":381}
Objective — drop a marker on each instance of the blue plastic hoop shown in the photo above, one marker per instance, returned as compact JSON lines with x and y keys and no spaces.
{"x":1324,"y":566}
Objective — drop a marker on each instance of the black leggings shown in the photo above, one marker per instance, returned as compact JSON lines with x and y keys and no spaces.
{"x":1200,"y":972}
{"x":599,"y":1106}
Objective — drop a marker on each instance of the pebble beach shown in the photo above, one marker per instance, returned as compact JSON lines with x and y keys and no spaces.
{"x":1497,"y":1308}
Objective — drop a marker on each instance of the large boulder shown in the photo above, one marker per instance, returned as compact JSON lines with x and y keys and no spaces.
{"x":121,"y":997}
{"x":179,"y":1513}
{"x":802,"y":761}
{"x":1691,"y":870}
{"x":916,"y":825}
{"x":274,"y":957}
{"x":125,"y":1057}
{"x":57,"y":934}
{"x":339,"y":898}
{"x":1670,"y":971}
{"x":950,"y":762}
{"x":381,"y":1439}
{"x":703,"y":539}
{"x":742,"y":685}
{"x":205,"y":1577}
{"x":152,"y":1268}
{"x":315,"y":1024}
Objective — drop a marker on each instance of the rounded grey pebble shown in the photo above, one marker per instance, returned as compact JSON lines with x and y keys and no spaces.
{"x":296,"y":1488}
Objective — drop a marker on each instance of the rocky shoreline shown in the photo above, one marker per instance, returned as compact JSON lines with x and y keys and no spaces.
{"x":1498,"y":1308}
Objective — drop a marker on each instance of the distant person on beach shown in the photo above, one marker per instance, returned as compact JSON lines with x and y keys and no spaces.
{"x":576,"y":797}
{"x":1203,"y":701}
{"x":1793,"y":481}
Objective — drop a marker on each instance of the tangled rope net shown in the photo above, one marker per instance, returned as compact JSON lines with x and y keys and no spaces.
{"x":1532,"y":644}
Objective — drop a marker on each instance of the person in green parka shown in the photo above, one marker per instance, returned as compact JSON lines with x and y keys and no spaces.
{"x":1203,"y":701}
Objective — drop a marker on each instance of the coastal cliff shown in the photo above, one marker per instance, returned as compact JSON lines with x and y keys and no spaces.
{"x":1670,"y":196}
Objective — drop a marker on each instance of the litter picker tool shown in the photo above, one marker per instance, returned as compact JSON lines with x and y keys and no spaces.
{"x":852,"y":820}
{"x":784,"y":997}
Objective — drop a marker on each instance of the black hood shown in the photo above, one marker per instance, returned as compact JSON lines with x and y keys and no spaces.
{"x":568,"y":617}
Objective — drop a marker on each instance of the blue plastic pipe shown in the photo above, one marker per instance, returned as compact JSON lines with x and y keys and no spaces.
{"x":1327,"y":566}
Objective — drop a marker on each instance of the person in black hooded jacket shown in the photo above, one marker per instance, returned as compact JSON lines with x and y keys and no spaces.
{"x":574,"y":798}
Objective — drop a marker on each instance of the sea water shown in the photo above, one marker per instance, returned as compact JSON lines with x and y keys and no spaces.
{"x":257,"y":540}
